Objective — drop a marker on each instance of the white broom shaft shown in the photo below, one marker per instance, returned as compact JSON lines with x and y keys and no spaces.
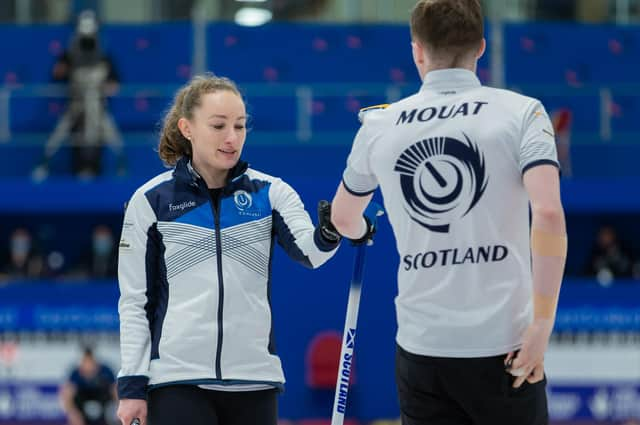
{"x":348,"y":340}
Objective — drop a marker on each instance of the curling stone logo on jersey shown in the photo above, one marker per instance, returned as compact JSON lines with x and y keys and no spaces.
{"x":442,"y":179}
{"x":242,"y":199}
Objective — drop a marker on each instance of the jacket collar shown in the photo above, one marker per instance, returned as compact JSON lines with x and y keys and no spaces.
{"x":450,"y":79}
{"x":185,"y":171}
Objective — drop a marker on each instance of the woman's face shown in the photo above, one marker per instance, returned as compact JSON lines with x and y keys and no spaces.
{"x":218,"y":130}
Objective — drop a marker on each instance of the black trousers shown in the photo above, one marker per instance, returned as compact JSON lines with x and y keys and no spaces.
{"x":191,"y":405}
{"x":465,"y":391}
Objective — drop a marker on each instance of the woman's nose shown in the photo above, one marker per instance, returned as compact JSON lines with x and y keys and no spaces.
{"x":232,"y":137}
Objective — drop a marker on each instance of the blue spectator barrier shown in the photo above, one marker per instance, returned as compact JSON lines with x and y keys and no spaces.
{"x":283,"y":153}
{"x":91,"y":306}
{"x":312,"y":177}
{"x":307,"y":302}
{"x":331,"y":107}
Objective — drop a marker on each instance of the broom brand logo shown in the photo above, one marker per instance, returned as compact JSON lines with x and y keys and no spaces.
{"x":182,"y":206}
{"x":442,"y":179}
{"x":341,"y":405}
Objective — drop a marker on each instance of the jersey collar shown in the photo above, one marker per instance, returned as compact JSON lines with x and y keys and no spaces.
{"x":185,"y":171}
{"x":453,"y":79}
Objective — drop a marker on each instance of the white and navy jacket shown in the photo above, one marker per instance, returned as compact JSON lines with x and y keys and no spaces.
{"x":195,"y":281}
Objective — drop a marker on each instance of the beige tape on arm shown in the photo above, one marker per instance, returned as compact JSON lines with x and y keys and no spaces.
{"x":549,"y":252}
{"x":548,"y":244}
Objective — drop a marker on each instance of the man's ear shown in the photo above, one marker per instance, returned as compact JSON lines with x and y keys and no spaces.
{"x":482,"y":48}
{"x":417,"y":52}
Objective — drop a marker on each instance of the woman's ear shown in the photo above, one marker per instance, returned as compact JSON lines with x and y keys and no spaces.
{"x":183,"y":126}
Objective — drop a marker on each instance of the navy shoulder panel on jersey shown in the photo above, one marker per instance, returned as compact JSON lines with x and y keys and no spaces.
{"x":175,"y":198}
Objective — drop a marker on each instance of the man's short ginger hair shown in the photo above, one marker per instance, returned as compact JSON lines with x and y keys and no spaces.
{"x":448,"y":26}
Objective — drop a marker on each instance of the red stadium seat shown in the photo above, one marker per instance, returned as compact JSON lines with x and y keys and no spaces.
{"x":323,"y":355}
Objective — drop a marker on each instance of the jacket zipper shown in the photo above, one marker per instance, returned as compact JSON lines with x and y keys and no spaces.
{"x":216,"y":218}
{"x":220,"y":287}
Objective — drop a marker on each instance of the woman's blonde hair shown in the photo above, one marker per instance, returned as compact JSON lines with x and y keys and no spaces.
{"x":173,"y":145}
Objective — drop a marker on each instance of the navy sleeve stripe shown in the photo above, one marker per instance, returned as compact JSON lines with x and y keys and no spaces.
{"x":287,"y":241}
{"x":272,"y":339}
{"x":157,"y":287}
{"x":355,"y":193}
{"x":540,"y":162}
{"x":133,"y":387}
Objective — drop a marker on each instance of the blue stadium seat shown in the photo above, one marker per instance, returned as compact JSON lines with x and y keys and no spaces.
{"x":585,"y":109}
{"x":269,"y":113}
{"x":340,"y":113}
{"x":311,"y":53}
{"x":35,"y":114}
{"x":29,"y":52}
{"x":624,"y":110}
{"x":151,"y":54}
{"x":139,"y":112}
{"x":550,"y":53}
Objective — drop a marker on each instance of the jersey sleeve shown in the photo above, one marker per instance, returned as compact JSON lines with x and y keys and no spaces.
{"x":135,"y":336}
{"x":294,"y":230}
{"x":538,"y":144}
{"x":358,"y":177}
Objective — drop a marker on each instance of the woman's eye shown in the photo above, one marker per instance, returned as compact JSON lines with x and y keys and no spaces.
{"x":240,"y":127}
{"x":218,"y":126}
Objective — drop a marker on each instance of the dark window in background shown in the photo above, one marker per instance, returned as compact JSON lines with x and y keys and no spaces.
{"x":8,"y":11}
{"x":551,"y":10}
{"x":172,"y":10}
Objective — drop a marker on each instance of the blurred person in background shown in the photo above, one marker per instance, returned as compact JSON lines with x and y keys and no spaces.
{"x":100,"y":261}
{"x":23,"y":261}
{"x":610,"y":258}
{"x":197,"y":241}
{"x":460,"y":166}
{"x":89,"y":393}
{"x":91,"y":77}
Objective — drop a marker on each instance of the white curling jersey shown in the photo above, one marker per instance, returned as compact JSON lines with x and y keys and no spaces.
{"x":449,"y":161}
